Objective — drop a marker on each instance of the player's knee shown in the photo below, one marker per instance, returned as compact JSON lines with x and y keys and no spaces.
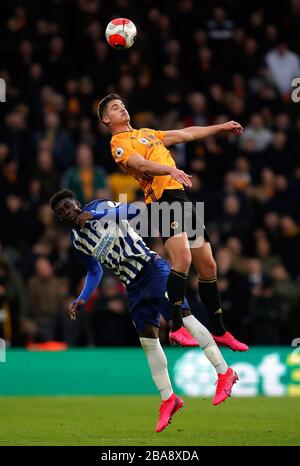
{"x":182,"y":263}
{"x":149,"y":331}
{"x":208,"y":268}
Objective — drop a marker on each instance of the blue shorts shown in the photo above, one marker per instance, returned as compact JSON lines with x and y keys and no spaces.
{"x":147,"y":295}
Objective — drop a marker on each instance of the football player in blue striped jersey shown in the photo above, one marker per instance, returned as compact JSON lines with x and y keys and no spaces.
{"x":102,"y":235}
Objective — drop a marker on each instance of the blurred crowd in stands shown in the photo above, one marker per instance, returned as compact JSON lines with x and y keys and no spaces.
{"x":194,"y":63}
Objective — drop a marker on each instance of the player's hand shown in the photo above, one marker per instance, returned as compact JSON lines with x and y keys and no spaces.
{"x":181,"y":176}
{"x":82,"y":218}
{"x":233,"y":126}
{"x":73,"y":307}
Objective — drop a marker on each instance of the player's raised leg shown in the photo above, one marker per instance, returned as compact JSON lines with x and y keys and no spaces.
{"x":171,"y":403}
{"x":226,"y":376}
{"x":179,"y":254}
{"x":206,"y":268}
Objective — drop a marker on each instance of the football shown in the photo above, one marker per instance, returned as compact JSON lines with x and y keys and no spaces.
{"x":121,"y":33}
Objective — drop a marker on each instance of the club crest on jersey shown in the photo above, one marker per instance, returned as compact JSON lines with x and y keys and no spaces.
{"x":144,"y":141}
{"x":119,"y":151}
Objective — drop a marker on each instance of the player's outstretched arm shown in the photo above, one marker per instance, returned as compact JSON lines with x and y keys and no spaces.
{"x":192,"y":133}
{"x":156,"y":169}
{"x":120,"y":212}
{"x":92,"y":280}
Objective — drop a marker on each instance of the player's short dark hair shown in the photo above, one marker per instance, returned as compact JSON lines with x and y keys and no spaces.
{"x":104,"y":102}
{"x":59,"y":196}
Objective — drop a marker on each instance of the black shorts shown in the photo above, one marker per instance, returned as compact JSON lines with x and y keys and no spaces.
{"x":185,"y":217}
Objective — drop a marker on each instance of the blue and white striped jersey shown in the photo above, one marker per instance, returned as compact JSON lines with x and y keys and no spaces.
{"x":112,"y":241}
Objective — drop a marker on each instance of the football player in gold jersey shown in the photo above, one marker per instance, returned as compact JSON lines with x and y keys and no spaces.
{"x":143,"y":153}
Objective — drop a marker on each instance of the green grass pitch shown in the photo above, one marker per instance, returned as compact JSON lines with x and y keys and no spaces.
{"x":131,"y":420}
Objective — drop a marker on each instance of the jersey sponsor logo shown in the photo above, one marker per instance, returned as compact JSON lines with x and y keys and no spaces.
{"x":102,"y":248}
{"x":119,"y":151}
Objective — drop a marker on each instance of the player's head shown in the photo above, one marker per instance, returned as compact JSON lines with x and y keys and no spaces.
{"x":65,"y":206}
{"x":112,"y":111}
